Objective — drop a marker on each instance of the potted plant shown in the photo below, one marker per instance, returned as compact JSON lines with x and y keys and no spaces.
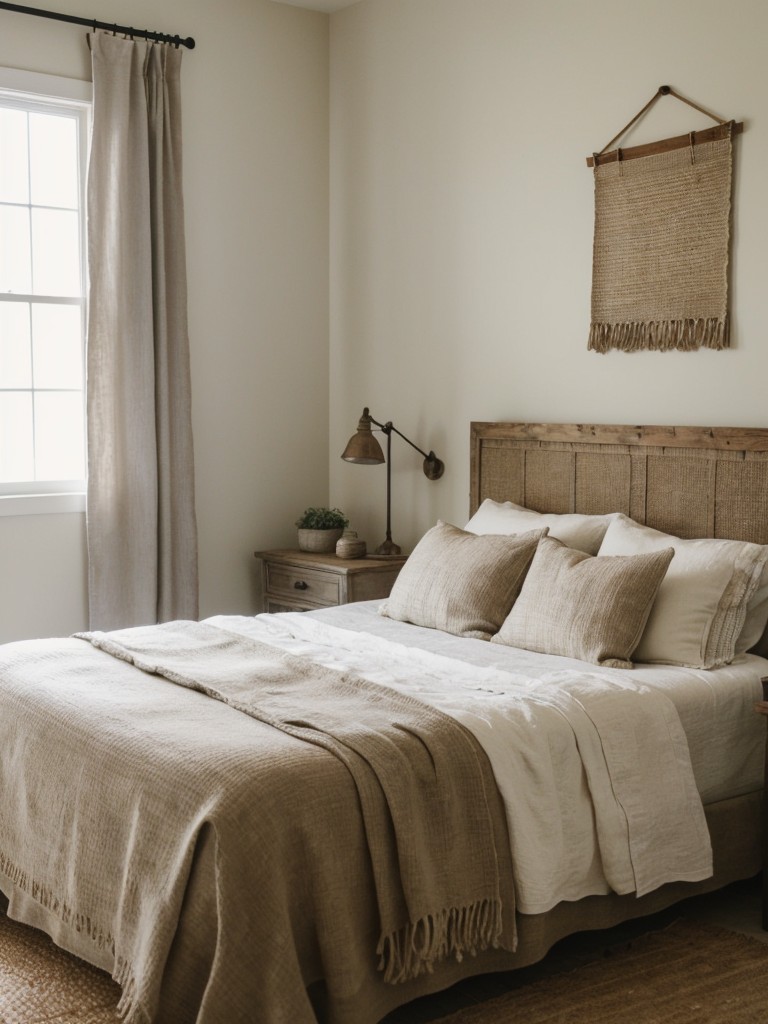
{"x":320,"y":528}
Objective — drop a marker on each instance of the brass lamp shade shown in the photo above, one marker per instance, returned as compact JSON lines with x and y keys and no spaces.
{"x":362,"y":447}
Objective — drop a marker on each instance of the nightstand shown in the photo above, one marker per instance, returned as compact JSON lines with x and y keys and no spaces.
{"x":296,"y":581}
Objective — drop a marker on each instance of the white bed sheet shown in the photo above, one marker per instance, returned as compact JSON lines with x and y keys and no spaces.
{"x":726,"y":739}
{"x":720,"y":727}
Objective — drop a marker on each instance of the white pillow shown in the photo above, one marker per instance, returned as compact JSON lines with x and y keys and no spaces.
{"x":574,"y":530}
{"x":701,"y":606}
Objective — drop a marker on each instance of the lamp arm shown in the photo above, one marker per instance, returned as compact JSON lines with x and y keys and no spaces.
{"x":387,"y":429}
{"x":433,"y":467}
{"x":408,"y":440}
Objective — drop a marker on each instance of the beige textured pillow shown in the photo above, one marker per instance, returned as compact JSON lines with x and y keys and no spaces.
{"x":701,"y":608}
{"x":582,"y":606}
{"x":577,"y":531}
{"x":459,"y":582}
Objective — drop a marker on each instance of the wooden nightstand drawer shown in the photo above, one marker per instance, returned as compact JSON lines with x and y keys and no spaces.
{"x":301,"y":580}
{"x":304,"y":584}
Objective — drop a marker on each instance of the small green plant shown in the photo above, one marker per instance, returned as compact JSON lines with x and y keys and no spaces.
{"x":322,"y":519}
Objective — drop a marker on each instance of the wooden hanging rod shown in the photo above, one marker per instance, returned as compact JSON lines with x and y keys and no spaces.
{"x":719,"y":131}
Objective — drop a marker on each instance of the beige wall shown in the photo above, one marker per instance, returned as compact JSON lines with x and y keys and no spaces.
{"x":462,"y":215}
{"x":460,"y":244}
{"x":255,"y":107}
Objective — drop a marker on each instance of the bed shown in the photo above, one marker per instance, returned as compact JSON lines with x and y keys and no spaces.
{"x":241,"y":857}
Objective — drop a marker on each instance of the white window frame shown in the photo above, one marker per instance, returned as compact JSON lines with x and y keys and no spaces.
{"x":44,"y":92}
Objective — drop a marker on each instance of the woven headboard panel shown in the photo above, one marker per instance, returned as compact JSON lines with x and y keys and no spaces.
{"x":689,"y":481}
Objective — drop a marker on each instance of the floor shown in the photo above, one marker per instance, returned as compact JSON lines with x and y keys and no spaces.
{"x":738,"y":907}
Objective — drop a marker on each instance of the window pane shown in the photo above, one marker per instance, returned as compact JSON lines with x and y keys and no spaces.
{"x":57,"y":346}
{"x":53,"y":160}
{"x":15,"y":258}
{"x":59,"y":440}
{"x":55,"y":248}
{"x":15,"y":349}
{"x":42,"y":375}
{"x":14,"y":180}
{"x":16,"y":462}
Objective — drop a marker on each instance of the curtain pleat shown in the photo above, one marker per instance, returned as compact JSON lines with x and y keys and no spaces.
{"x":142,"y":535}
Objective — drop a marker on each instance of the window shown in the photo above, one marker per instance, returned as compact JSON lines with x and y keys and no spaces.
{"x":44,"y":125}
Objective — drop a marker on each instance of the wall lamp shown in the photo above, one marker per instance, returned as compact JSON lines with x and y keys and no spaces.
{"x":364,"y":449}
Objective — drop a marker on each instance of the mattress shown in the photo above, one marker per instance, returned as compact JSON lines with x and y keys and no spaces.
{"x":566,"y":821}
{"x":726,"y":740}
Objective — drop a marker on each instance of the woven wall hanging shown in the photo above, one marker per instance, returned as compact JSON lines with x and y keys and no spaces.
{"x":662,"y":239}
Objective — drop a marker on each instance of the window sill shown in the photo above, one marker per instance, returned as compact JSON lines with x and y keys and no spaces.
{"x":40,"y":504}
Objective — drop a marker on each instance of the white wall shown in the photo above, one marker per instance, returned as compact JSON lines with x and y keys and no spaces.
{"x":461,"y":229}
{"x":255,"y":108}
{"x":462,"y":217}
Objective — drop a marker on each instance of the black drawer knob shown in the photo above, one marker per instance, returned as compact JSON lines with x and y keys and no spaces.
{"x":300,"y":585}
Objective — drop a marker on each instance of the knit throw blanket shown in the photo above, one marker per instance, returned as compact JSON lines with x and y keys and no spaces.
{"x":661,"y":243}
{"x":425,"y":787}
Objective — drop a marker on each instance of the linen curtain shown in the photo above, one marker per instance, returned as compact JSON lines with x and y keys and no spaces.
{"x":142,"y":534}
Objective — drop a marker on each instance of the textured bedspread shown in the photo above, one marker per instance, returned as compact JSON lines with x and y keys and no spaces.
{"x":426,"y":792}
{"x":220,"y":866}
{"x":106,"y":825}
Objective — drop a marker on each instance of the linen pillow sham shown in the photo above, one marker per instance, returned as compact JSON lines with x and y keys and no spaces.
{"x":701,"y":607}
{"x":583,"y":532}
{"x":583,"y":606}
{"x":459,"y":582}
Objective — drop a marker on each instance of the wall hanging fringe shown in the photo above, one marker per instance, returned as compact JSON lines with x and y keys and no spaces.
{"x":662,"y":239}
{"x":123,"y":30}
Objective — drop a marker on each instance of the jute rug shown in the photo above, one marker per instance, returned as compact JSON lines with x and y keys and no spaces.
{"x":684,"y":974}
{"x":40,"y":982}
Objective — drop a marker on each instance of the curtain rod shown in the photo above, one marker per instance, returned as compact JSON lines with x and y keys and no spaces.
{"x":160,"y":37}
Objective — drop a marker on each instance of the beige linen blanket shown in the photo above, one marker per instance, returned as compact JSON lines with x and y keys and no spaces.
{"x":119,"y":778}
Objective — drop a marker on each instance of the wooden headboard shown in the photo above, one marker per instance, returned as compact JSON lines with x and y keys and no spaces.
{"x":689,"y":481}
